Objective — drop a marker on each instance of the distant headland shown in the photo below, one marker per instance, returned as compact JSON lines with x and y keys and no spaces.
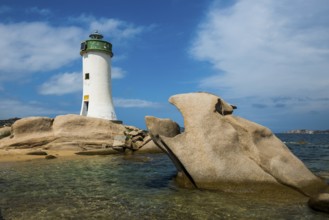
{"x":8,"y":122}
{"x":306,"y":131}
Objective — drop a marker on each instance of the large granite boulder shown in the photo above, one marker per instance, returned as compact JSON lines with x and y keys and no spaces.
{"x":221,"y":151}
{"x":74,"y":132}
{"x":164,"y":126}
{"x":32,"y":125}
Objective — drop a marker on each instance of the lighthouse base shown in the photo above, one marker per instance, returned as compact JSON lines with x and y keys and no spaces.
{"x":117,"y":122}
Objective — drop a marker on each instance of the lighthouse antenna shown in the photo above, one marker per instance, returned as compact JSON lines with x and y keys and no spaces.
{"x":96,"y":35}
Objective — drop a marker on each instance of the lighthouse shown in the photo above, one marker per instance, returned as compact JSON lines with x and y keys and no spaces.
{"x":96,"y":72}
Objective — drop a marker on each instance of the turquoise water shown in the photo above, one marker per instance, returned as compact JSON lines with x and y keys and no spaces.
{"x":141,"y":187}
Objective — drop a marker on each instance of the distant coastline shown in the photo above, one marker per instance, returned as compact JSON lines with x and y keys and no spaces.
{"x":8,"y":122}
{"x":306,"y":131}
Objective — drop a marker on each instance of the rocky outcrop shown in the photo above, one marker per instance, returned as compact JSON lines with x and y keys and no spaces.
{"x":74,"y":132}
{"x":221,"y":151}
{"x":5,"y":132}
{"x":165,"y":126}
{"x":8,"y":122}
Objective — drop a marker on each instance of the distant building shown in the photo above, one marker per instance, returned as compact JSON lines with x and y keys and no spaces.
{"x":96,"y":69}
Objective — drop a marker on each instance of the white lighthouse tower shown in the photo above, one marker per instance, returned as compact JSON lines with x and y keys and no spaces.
{"x":96,"y":69}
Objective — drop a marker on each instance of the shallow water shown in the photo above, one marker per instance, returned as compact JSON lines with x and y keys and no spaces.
{"x":140,"y":187}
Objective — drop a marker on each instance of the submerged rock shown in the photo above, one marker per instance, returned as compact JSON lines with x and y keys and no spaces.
{"x":221,"y":151}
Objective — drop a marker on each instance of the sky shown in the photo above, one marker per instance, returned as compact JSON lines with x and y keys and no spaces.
{"x":269,"y":58}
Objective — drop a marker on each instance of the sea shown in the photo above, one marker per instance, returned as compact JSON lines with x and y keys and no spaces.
{"x":142,"y":186}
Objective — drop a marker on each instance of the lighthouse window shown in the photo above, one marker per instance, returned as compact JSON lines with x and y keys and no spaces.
{"x":87,"y":76}
{"x":83,"y":46}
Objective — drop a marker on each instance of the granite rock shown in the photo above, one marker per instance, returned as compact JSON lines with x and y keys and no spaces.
{"x":220,"y":151}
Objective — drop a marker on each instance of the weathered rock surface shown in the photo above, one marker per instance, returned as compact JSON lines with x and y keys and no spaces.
{"x":221,"y":151}
{"x":5,"y":132}
{"x":73,"y":132}
{"x":165,"y":126}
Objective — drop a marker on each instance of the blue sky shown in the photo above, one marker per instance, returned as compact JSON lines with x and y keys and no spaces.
{"x":270,"y":58}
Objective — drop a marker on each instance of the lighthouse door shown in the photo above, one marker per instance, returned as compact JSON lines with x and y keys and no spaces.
{"x":85,"y":108}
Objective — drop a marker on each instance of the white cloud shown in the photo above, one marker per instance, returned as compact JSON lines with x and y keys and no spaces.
{"x":14,"y":108}
{"x":134,"y":103}
{"x":34,"y":47}
{"x":117,"y":73}
{"x":66,"y":83}
{"x":116,"y":28}
{"x":266,"y":48}
{"x":61,"y":84}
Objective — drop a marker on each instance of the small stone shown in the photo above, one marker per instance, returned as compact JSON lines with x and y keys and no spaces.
{"x":137,"y":138}
{"x":49,"y":157}
{"x":131,"y":128}
{"x":133,"y":133}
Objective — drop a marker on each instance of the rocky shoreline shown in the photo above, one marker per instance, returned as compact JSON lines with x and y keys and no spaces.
{"x":216,"y":151}
{"x":74,"y":135}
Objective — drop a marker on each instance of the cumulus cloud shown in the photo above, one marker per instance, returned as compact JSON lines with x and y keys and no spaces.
{"x":116,"y":28}
{"x":266,"y":49}
{"x":134,"y":103}
{"x":66,"y":83}
{"x":14,"y":108}
{"x":61,"y":84}
{"x":38,"y":47}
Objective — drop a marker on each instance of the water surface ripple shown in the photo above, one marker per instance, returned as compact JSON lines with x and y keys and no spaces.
{"x":141,"y":187}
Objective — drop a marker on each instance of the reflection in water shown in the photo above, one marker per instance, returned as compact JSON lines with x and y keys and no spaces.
{"x":131,"y":187}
